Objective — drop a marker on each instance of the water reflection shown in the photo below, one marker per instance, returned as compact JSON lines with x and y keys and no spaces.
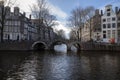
{"x":69,"y":66}
{"x":61,"y":48}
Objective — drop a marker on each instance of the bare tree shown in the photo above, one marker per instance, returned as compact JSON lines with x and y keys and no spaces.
{"x":74,"y":33}
{"x":61,"y":33}
{"x":89,"y":13}
{"x":41,"y":12}
{"x":3,"y":13}
{"x":79,"y":16}
{"x":49,"y":20}
{"x":76,"y":20}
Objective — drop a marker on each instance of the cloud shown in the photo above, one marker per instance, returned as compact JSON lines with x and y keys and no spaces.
{"x":25,"y":4}
{"x":55,"y":10}
{"x":114,"y":3}
{"x":61,"y":26}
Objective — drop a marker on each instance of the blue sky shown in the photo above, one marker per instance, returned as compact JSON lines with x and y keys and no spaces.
{"x":62,"y":8}
{"x":68,"y":5}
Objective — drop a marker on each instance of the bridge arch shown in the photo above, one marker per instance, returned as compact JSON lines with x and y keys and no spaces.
{"x":39,"y":45}
{"x":76,"y":44}
{"x":56,"y":43}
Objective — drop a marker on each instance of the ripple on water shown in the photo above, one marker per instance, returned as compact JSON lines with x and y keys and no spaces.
{"x":26,"y":71}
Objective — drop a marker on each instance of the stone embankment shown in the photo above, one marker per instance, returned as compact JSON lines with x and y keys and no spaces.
{"x":100,"y":46}
{"x":13,"y":45}
{"x":27,"y":45}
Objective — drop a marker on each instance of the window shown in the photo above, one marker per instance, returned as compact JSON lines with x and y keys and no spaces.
{"x":104,"y":34}
{"x":113,"y":25}
{"x":119,"y":18}
{"x":118,"y":25}
{"x":18,"y":22}
{"x":108,"y":14}
{"x":108,"y":26}
{"x":7,"y":28}
{"x":104,"y":25}
{"x":113,"y":34}
{"x":104,"y":20}
{"x":6,"y":35}
{"x":15,"y":29}
{"x":119,"y":34}
{"x":113,"y":19}
{"x":108,"y":19}
{"x":6,"y":23}
{"x":10,"y":22}
{"x":108,"y":9}
{"x":108,"y":33}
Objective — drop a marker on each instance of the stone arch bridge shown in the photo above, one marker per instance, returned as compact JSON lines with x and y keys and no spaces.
{"x":49,"y":44}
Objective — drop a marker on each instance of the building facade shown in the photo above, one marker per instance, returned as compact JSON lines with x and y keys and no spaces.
{"x":96,"y":26}
{"x":18,"y":26}
{"x":104,"y":26}
{"x":118,"y":23}
{"x":93,"y":27}
{"x":85,"y":32}
{"x":44,"y":33}
{"x":109,"y":25}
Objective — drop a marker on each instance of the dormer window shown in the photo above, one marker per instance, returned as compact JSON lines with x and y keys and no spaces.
{"x":108,"y":9}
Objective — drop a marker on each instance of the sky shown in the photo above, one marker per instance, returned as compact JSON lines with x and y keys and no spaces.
{"x":62,"y":8}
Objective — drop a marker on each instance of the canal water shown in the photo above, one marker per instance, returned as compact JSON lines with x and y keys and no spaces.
{"x":87,"y":65}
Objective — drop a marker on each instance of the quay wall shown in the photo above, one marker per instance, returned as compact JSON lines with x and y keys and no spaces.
{"x":15,"y":45}
{"x":25,"y":45}
{"x":100,"y":46}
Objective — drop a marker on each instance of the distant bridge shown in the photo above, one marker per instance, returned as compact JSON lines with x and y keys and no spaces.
{"x":49,"y":44}
{"x":48,"y":39}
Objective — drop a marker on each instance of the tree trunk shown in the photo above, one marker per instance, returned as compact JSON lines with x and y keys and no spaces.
{"x":2,"y":34}
{"x":2,"y":22}
{"x":90,"y":31}
{"x":80,"y":34}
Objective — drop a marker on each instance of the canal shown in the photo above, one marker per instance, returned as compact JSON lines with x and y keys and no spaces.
{"x":87,"y":65}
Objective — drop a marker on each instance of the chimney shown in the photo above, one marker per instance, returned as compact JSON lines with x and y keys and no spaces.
{"x":116,"y":10}
{"x":7,"y":10}
{"x":24,"y":14}
{"x":16,"y":11}
{"x":96,"y":11}
{"x":101,"y":12}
